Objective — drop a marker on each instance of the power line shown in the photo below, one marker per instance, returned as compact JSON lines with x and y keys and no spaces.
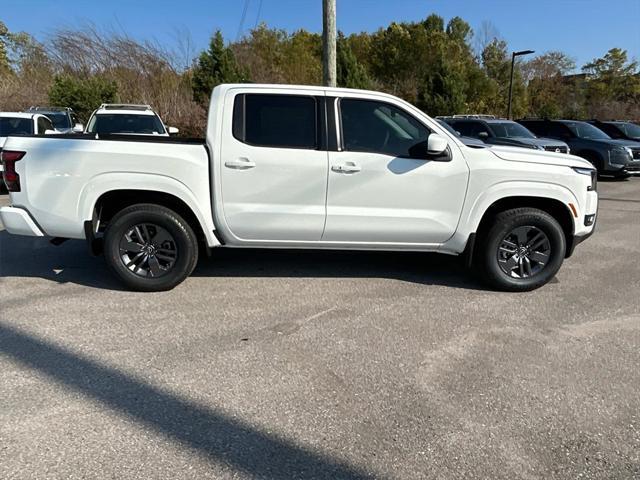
{"x":242,"y":19}
{"x":258,"y":15}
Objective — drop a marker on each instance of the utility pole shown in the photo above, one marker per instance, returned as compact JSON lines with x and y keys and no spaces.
{"x":513,"y":62}
{"x":329,"y":74}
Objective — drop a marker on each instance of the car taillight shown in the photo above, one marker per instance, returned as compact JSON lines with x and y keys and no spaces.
{"x":11,"y":177}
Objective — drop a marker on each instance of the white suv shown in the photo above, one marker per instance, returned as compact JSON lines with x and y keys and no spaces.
{"x":127,"y":119}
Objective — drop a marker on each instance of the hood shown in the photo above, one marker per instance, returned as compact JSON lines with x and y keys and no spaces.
{"x":516,"y":154}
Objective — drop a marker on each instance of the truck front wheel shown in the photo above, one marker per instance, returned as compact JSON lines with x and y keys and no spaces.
{"x":150,"y":248}
{"x":523,"y":250}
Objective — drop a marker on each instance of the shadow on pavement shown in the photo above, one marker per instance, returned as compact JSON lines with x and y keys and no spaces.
{"x":223,"y":439}
{"x":71,"y":262}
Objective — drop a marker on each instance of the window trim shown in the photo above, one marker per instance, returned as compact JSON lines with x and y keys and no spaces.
{"x":341,"y":147}
{"x":239,"y":123}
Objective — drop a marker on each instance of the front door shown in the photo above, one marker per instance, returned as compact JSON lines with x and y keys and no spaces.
{"x":381,"y":190}
{"x":273,"y":166}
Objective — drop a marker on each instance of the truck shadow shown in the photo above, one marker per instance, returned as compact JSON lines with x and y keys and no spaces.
{"x":223,"y":439}
{"x":72,"y":263}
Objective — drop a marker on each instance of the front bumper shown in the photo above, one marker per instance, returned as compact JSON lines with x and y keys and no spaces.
{"x":18,"y":222}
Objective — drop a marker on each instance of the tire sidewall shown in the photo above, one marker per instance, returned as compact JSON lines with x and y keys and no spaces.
{"x":179,"y":230}
{"x":551,"y":229}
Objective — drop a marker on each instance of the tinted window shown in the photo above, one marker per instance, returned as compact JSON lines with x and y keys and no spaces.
{"x":15,"y":126}
{"x":630,"y":129}
{"x":106,"y":123}
{"x":537,"y":128}
{"x":559,"y":130}
{"x":285,"y":121}
{"x":478,"y":128}
{"x":586,"y":130}
{"x":465,"y":128}
{"x":369,"y":126}
{"x":59,"y":119}
{"x":510,"y":129}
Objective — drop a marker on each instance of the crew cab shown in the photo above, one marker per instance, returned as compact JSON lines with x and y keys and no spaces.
{"x":128,"y":119}
{"x":302,"y":167}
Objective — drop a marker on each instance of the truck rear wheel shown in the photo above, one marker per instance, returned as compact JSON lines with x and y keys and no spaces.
{"x":150,"y":248}
{"x":522,"y":251}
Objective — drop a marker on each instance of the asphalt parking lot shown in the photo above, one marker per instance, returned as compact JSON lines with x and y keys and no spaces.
{"x":280,"y":364}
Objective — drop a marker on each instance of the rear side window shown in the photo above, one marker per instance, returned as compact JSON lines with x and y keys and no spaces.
{"x":279,"y":121}
{"x":15,"y":126}
{"x":537,"y":128}
{"x":558,"y":130}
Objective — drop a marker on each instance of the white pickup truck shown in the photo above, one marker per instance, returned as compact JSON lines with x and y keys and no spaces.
{"x":302,"y":167}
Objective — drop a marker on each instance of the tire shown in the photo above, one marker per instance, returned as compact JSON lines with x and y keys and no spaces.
{"x":157,"y":244}
{"x":538,"y":242}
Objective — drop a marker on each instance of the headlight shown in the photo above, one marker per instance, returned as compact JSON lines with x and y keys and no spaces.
{"x":620,"y":156}
{"x":592,"y":173}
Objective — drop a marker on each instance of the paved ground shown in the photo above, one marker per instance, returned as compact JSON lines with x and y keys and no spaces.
{"x":323,"y":365}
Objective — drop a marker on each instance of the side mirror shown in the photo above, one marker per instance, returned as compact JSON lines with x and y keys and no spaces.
{"x":173,"y":130}
{"x":78,"y":128}
{"x":51,"y":132}
{"x":483,"y":135}
{"x":436,"y":144}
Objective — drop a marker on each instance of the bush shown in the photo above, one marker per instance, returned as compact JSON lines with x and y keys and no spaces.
{"x":82,"y":95}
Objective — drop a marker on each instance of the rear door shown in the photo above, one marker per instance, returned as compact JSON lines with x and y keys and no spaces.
{"x":274,"y":165}
{"x":380,"y":189}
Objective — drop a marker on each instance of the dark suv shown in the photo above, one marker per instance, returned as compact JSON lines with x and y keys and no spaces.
{"x":618,"y":158}
{"x":618,"y":129}
{"x":496,"y":131}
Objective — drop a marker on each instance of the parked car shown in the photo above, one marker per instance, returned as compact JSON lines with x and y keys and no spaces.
{"x":14,"y":123}
{"x":617,"y":158}
{"x":63,"y":119}
{"x":303,"y":167}
{"x":468,"y":141}
{"x":618,"y":129}
{"x":130,"y":119}
{"x":499,"y":131}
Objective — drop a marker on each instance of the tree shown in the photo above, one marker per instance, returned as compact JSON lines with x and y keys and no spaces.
{"x":351,"y":73}
{"x":82,"y":95}
{"x":216,"y":65}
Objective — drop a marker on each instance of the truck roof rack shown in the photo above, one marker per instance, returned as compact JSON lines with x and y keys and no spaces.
{"x":476,"y":116}
{"x":48,"y":109}
{"x":124,"y":106}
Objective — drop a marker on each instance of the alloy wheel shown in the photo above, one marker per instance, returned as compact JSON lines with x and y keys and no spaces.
{"x":148,"y":250}
{"x":524,"y":252}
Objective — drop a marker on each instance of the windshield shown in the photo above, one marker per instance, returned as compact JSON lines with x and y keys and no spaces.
{"x":60,"y":120}
{"x":630,"y":129}
{"x":586,"y":130}
{"x":125,"y":123}
{"x":510,"y":129}
{"x":15,"y":126}
{"x":448,"y":128}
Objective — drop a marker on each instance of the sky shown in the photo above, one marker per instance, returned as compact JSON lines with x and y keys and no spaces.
{"x":585,"y":29}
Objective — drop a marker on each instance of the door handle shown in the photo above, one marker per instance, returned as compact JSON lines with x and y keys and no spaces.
{"x":348,"y":167}
{"x":240,"y":164}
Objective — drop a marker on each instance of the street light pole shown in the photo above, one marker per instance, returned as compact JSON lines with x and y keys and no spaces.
{"x":329,"y":75}
{"x":513,"y":61}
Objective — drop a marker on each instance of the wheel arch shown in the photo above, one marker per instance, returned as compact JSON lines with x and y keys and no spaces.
{"x":554,"y":207}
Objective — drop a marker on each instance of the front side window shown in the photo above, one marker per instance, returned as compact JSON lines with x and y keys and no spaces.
{"x":278,"y":121}
{"x":479,"y":130}
{"x":370,"y":126}
{"x":631,"y":130}
{"x":15,"y":126}
{"x":105,"y":123}
{"x":44,"y":124}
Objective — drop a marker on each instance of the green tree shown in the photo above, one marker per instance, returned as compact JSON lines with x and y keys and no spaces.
{"x":215,"y":65}
{"x":351,"y":73}
{"x":83,"y":95}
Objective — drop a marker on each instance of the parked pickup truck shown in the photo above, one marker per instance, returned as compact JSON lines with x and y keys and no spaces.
{"x":302,"y":167}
